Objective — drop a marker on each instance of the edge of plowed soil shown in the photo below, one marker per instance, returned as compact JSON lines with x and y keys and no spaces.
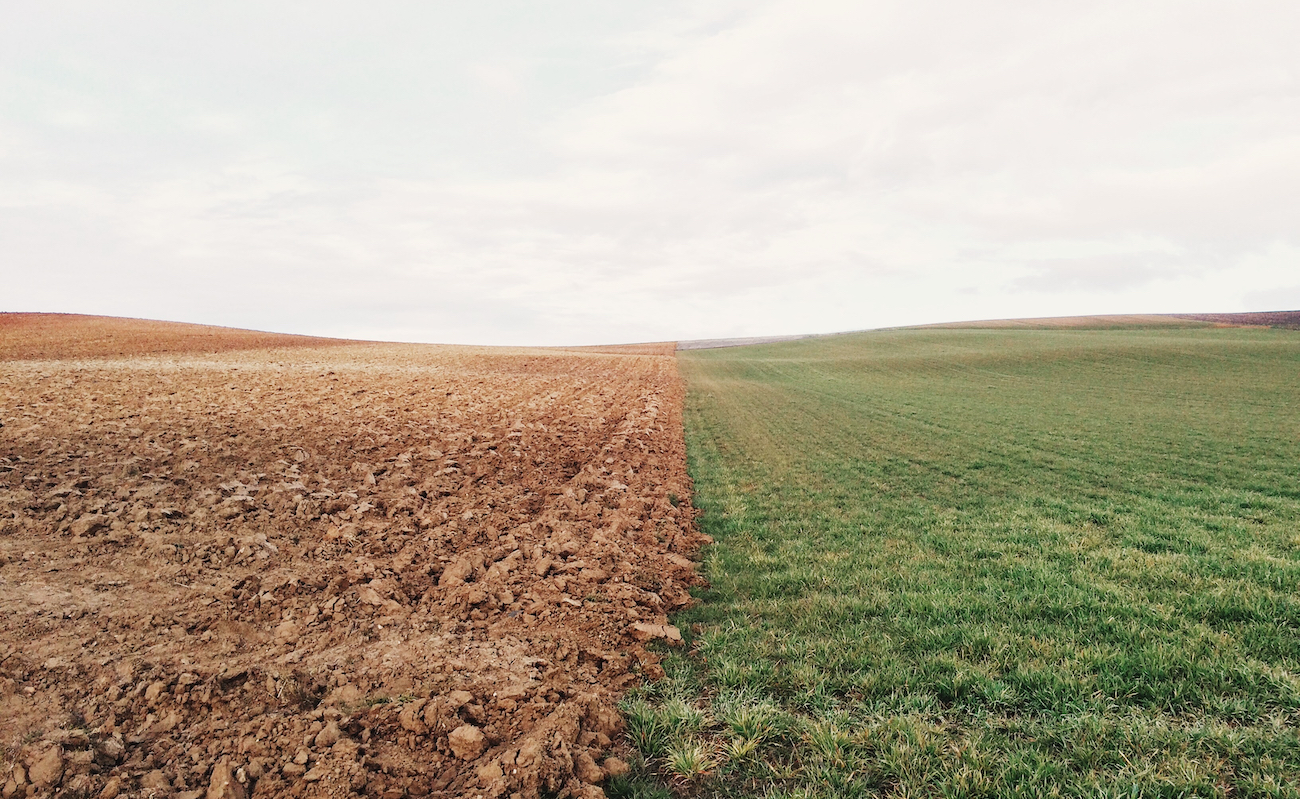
{"x":361,"y":569}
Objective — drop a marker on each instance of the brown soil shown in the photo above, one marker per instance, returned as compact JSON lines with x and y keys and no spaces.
{"x":1286,"y":319}
{"x":35,"y":336}
{"x":390,"y":570}
{"x":658,"y":348}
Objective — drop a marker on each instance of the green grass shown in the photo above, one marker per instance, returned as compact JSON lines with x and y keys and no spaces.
{"x":991,"y":563}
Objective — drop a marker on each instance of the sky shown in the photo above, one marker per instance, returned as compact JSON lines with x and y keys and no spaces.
{"x":519,"y":173}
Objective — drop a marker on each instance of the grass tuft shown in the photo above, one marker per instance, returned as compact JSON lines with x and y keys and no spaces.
{"x":689,"y":761}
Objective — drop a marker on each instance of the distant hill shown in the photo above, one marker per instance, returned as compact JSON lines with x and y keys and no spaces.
{"x":40,"y":336}
{"x":1284,"y":319}
{"x":1287,"y":319}
{"x":1101,"y":321}
{"x":715,"y":343}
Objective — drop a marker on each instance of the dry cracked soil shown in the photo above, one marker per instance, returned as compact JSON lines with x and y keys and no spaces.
{"x":235,"y":564}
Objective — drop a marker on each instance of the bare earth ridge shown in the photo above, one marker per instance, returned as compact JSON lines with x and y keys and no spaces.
{"x":31,"y":336}
{"x":1286,"y":319}
{"x":327,"y":569}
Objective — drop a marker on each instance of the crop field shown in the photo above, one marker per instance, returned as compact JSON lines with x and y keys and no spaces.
{"x":989,"y":562}
{"x":237,"y":564}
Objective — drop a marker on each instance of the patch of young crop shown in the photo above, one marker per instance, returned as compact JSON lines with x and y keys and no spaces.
{"x":992,"y":562}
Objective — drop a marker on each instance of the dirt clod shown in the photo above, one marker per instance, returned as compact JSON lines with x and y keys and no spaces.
{"x":47,"y":771}
{"x":467,"y":741}
{"x":112,"y":788}
{"x":223,"y":784}
{"x":616,"y":766}
{"x":155,"y":782}
{"x":584,"y":765}
{"x":649,"y":632}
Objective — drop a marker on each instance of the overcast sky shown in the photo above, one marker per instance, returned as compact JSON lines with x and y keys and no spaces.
{"x":568,"y":172}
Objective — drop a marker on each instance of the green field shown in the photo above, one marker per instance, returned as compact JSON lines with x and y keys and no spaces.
{"x":990,"y":562}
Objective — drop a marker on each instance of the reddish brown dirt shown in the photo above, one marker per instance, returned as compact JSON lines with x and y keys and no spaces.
{"x":50,"y":335}
{"x":1287,"y":319}
{"x":657,"y":348}
{"x":389,"y":570}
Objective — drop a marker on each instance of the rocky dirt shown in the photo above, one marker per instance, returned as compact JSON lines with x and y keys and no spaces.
{"x":389,"y":570}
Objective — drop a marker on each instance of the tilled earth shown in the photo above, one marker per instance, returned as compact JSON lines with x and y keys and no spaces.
{"x":1286,"y":319}
{"x":390,"y":570}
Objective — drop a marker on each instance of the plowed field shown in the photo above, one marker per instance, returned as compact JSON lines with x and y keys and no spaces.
{"x":391,"y":570}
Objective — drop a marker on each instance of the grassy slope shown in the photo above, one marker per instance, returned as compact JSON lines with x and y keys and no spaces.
{"x":994,"y":562}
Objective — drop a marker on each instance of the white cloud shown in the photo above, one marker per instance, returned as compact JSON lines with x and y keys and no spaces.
{"x":576,"y":176}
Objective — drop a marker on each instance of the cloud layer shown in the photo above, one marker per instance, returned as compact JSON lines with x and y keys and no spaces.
{"x":504,"y":175}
